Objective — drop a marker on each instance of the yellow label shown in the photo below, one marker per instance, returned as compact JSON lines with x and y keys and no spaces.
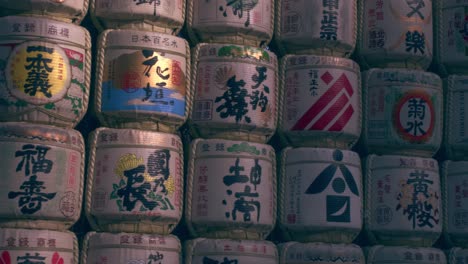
{"x":38,"y":72}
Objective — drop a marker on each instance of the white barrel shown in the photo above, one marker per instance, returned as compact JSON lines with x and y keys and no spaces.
{"x":397,"y":33}
{"x":455,"y":144}
{"x":231,"y":189}
{"x":309,"y":253}
{"x":319,"y":102}
{"x":43,"y":176}
{"x":455,"y":201}
{"x":328,"y":180}
{"x":403,"y":112}
{"x":403,"y":200}
{"x":45,"y":68}
{"x":135,"y":181}
{"x":457,"y":256}
{"x":69,"y":11}
{"x":316,"y":27}
{"x":130,"y":248}
{"x":149,"y":15}
{"x":212,"y":251}
{"x":142,"y":80}
{"x":451,"y":36}
{"x":235,"y":93}
{"x":37,"y":246}
{"x":247,"y":22}
{"x":405,"y":255}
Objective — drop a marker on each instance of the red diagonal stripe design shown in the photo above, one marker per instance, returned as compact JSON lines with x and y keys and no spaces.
{"x":343,"y":120}
{"x":324,"y":100}
{"x":330,"y":114}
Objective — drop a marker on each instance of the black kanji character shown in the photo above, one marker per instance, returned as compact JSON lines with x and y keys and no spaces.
{"x":35,"y":156}
{"x":151,"y":2}
{"x":38,"y":73}
{"x":158,"y":166}
{"x":31,"y":196}
{"x":239,"y":7}
{"x":415,"y":42}
{"x":234,"y":101}
{"x":260,"y":76}
{"x":28,"y":259}
{"x":416,"y":6}
{"x":236,"y":177}
{"x":132,"y":194}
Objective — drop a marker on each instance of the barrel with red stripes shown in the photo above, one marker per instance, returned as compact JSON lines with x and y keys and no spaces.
{"x":320,"y":102}
{"x":402,"y":112}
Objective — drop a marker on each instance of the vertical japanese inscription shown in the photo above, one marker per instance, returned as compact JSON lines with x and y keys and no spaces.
{"x":329,"y":22}
{"x":32,"y":193}
{"x":238,"y":8}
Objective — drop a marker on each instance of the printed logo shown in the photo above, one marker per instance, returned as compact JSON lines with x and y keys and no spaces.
{"x":333,"y":110}
{"x":414,"y":117}
{"x":339,"y":205}
{"x":38,"y":72}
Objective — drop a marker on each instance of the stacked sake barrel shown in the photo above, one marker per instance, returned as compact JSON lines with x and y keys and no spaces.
{"x":134,"y":195}
{"x":451,"y":58}
{"x":231,"y":174}
{"x":45,"y":62}
{"x":319,"y":121}
{"x":402,"y":130}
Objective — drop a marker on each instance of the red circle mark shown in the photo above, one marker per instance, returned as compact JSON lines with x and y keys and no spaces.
{"x":131,"y":82}
{"x":397,"y":122}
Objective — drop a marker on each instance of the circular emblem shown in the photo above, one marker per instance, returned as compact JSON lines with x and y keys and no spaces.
{"x":414,"y":117}
{"x":38,"y":72}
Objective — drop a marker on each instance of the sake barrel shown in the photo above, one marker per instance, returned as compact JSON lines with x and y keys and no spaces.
{"x":451,"y":35}
{"x":43,"y":176}
{"x":306,"y":253}
{"x":403,"y":200}
{"x":231,"y":189}
{"x":38,"y":246}
{"x":248,"y":22}
{"x":456,"y":121}
{"x":405,"y":255}
{"x":135,"y":181}
{"x":457,"y":256}
{"x":320,"y":102}
{"x":396,"y":34}
{"x":45,"y":67}
{"x":316,"y":27}
{"x":402,"y":112}
{"x":142,"y":80}
{"x":328,"y":180}
{"x":455,"y":201}
{"x":204,"y":250}
{"x":131,"y":248}
{"x":67,"y":11}
{"x":235,"y":91}
{"x":149,"y":15}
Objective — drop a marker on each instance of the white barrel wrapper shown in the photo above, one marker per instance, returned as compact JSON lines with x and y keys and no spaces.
{"x":328,"y":180}
{"x":131,"y":248}
{"x":457,"y":256}
{"x":299,"y":253}
{"x":455,"y":201}
{"x":166,"y":16}
{"x":320,"y":101}
{"x":142,"y":80}
{"x":405,"y":255}
{"x":451,"y":35}
{"x":403,"y":112}
{"x":45,"y":68}
{"x":396,"y":33}
{"x":403,"y":200}
{"x":43,"y":176}
{"x":37,"y":246}
{"x":235,"y":91}
{"x":316,"y":27}
{"x":231,"y":189}
{"x":456,"y":120}
{"x":240,"y":22}
{"x":203,"y":250}
{"x":135,"y":181}
{"x":64,"y":10}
